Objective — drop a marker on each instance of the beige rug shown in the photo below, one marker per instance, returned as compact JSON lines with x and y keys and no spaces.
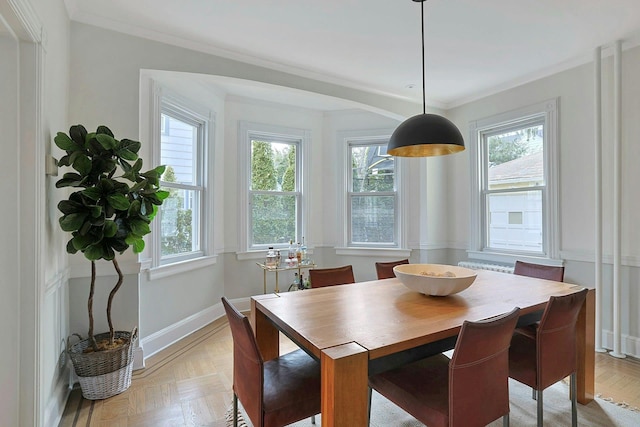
{"x":557,"y":407}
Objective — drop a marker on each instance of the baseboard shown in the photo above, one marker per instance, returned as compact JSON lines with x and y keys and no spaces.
{"x":57,"y":401}
{"x":162,"y":339}
{"x":630,"y":345}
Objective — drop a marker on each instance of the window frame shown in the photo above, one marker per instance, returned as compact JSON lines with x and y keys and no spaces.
{"x":248,"y":131}
{"x":345,"y":140}
{"x":545,"y":113}
{"x":163,"y":99}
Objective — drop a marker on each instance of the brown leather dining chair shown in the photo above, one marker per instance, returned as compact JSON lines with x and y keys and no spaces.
{"x":471,"y":389}
{"x":321,"y":277}
{"x":274,"y":393}
{"x":544,"y":355}
{"x":384,"y":270}
{"x":548,"y":272}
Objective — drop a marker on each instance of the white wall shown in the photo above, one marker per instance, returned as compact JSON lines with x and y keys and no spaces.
{"x":574,"y":88}
{"x":110,"y":94}
{"x":9,"y":260}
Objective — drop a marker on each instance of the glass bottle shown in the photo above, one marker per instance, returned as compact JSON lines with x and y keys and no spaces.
{"x":271,"y":261}
{"x":292,"y":250}
{"x":303,"y":250}
{"x":299,"y":253}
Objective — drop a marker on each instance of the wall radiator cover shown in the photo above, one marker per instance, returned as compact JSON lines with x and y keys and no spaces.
{"x":485,"y":266}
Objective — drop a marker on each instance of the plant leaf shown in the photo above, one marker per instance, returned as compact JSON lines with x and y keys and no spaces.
{"x":139,"y":227}
{"x":78,"y":134}
{"x":65,"y":143}
{"x":82,"y":164}
{"x":108,"y":142}
{"x":68,"y":207}
{"x":110,"y":229}
{"x":94,"y":252}
{"x":69,"y":179}
{"x":118,"y":201}
{"x":102,"y":129}
{"x":73,"y":222}
{"x":92,"y":193}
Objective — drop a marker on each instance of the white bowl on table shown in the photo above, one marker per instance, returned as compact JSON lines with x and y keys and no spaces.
{"x":435,"y":279}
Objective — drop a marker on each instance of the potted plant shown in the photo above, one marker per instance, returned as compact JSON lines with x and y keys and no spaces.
{"x":110,"y":212}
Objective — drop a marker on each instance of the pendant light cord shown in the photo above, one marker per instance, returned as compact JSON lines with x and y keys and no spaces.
{"x":424,"y":101}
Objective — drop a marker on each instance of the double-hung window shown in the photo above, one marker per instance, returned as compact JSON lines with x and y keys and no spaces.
{"x":515,"y":208}
{"x":274,"y":213}
{"x":371,"y":193}
{"x":182,"y":151}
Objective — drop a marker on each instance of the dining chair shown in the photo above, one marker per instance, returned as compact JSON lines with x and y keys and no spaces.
{"x":275,"y":392}
{"x":540,"y":271}
{"x":546,"y":354}
{"x":321,"y":277}
{"x":384,"y":270}
{"x":470,"y":389}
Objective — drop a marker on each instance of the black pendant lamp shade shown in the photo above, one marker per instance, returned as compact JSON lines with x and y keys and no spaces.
{"x":425,"y":135}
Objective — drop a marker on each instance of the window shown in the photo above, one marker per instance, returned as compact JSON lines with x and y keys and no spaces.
{"x":182,"y":150}
{"x":514,"y":208}
{"x":371,"y":193}
{"x":274,"y":185}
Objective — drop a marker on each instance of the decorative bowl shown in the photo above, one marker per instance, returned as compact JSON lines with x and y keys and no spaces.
{"x":435,"y":279}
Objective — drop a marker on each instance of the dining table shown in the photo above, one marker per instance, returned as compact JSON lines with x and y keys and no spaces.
{"x":360,"y":329}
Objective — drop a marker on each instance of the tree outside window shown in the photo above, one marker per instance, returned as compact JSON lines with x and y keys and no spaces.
{"x":274,"y":192}
{"x":372,"y":195}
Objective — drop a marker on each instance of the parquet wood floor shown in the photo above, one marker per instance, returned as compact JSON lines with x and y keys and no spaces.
{"x":189,"y":384}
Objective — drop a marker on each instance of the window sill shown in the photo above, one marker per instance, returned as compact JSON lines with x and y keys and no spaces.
{"x":378,"y":252}
{"x":180,"y":267}
{"x":510,"y":259}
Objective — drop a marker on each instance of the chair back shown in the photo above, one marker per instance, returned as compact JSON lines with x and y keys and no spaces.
{"x":556,"y":337}
{"x":321,"y":277}
{"x":539,"y":271}
{"x":478,"y":369}
{"x":384,"y":270}
{"x":248,"y":374}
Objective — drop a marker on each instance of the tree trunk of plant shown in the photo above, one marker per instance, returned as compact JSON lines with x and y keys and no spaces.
{"x":92,"y":289}
{"x":111,"y":295}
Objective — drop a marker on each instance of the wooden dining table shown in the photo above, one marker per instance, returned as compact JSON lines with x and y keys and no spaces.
{"x":359,"y":329}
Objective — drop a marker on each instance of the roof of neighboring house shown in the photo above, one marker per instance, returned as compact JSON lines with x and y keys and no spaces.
{"x":525,"y":168}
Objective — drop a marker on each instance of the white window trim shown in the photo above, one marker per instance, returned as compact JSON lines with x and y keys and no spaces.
{"x":549,"y":110}
{"x":205,"y":256}
{"x":343,"y":139}
{"x":245,"y":129}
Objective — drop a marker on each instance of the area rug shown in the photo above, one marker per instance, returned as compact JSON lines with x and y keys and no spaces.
{"x":557,"y":411}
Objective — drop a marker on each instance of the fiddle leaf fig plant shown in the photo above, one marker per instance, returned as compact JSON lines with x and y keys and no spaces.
{"x":113,"y":206}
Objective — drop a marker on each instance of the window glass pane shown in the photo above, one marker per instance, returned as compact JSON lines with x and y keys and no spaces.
{"x":274,"y":218}
{"x":178,"y":222}
{"x":516,"y":158}
{"x":516,"y":221}
{"x":178,"y":150}
{"x":372,"y":219}
{"x":273,"y":166}
{"x":372,"y":169}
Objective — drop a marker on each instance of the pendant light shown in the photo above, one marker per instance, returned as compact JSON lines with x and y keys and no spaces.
{"x":425,"y":134}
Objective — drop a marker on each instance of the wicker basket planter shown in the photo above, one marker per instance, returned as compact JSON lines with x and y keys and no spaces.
{"x":103,"y":374}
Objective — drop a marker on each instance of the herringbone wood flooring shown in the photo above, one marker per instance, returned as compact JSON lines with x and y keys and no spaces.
{"x":189,"y":384}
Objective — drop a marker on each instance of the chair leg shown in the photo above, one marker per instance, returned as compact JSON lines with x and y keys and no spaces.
{"x":505,"y":420}
{"x":540,"y":413}
{"x":369,"y":408}
{"x":574,"y":403}
{"x":533,"y":393}
{"x":313,"y":419}
{"x":235,"y":410}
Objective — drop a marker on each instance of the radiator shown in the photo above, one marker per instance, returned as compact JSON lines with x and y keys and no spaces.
{"x":485,"y":266}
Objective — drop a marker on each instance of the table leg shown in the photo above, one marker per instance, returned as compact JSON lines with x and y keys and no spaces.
{"x":344,"y":399}
{"x":267,"y":336}
{"x":585,"y":329}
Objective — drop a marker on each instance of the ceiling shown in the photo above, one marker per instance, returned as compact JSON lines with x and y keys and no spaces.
{"x":473,"y":48}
